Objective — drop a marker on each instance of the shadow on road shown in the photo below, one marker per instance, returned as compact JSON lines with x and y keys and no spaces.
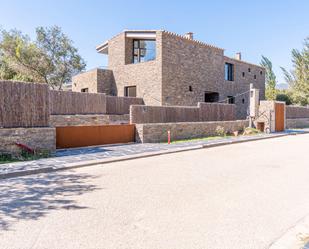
{"x":35,"y":196}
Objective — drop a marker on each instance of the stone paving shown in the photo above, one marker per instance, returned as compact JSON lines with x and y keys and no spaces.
{"x":79,"y":155}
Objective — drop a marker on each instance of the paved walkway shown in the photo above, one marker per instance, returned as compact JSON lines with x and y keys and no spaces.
{"x":243,"y":196}
{"x":80,"y":155}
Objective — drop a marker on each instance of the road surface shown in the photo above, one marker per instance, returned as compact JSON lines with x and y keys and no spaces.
{"x":237,"y":196}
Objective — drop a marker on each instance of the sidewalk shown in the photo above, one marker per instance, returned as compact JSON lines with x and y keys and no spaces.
{"x":79,"y":157}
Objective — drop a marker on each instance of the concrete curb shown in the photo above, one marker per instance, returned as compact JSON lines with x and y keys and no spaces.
{"x":295,"y":237}
{"x":137,"y":156}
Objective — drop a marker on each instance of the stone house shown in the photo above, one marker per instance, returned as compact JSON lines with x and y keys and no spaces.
{"x":169,"y":69}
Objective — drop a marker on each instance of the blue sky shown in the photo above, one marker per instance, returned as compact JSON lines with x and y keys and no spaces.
{"x":271,"y":28}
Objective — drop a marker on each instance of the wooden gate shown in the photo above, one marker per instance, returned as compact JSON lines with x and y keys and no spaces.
{"x":80,"y":136}
{"x":280,"y":115}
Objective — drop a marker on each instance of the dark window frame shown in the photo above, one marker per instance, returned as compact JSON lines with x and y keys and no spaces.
{"x":126,"y":91}
{"x":230,"y":99}
{"x":229,"y":75}
{"x":85,"y":90}
{"x":139,"y":49}
{"x":211,"y":97}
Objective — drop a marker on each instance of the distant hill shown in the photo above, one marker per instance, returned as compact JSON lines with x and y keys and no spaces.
{"x":282,"y":86}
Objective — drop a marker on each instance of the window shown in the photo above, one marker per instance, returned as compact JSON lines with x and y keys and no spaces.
{"x":84,"y":90}
{"x":243,"y":101}
{"x":255,"y":76}
{"x":130,"y":91}
{"x":249,"y":69}
{"x":229,"y":71}
{"x":261,"y":72}
{"x":243,"y":74}
{"x":211,"y":97}
{"x":231,"y":99}
{"x":190,"y":89}
{"x":144,"y":50}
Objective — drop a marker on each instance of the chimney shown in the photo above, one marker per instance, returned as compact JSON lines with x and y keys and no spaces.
{"x":189,"y":35}
{"x":238,"y":56}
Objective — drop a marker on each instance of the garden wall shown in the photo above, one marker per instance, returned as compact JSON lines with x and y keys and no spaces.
{"x":77,"y":120}
{"x":121,"y":105}
{"x":63,"y":102}
{"x":23,"y":104}
{"x":39,"y":139}
{"x":68,"y":103}
{"x":293,"y":123}
{"x":170,"y":114}
{"x":297,"y":112}
{"x":155,"y":133}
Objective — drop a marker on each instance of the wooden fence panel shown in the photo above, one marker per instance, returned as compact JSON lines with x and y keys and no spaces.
{"x":23,"y":104}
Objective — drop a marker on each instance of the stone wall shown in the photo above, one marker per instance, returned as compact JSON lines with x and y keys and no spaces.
{"x":296,"y":112}
{"x":23,"y":104}
{"x":297,"y":123}
{"x":187,"y":63}
{"x":169,"y":114}
{"x":146,"y":76}
{"x":77,"y":120}
{"x":39,"y":139}
{"x":96,"y":81}
{"x":155,"y":133}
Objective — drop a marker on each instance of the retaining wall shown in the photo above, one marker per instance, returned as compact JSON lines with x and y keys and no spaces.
{"x":77,"y":120}
{"x":39,"y":139}
{"x":169,"y":114}
{"x":297,"y":112}
{"x":23,"y":104}
{"x":297,"y":123}
{"x":154,"y":133}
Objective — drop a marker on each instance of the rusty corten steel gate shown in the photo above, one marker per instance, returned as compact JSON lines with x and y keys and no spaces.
{"x":279,"y":112}
{"x":80,"y":136}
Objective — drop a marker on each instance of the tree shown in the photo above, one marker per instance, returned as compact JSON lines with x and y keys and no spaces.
{"x":270,"y":79}
{"x":51,"y":59}
{"x":298,"y":77}
{"x":64,"y":59}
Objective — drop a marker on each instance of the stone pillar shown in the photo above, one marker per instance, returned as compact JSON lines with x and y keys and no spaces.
{"x":254,"y":104}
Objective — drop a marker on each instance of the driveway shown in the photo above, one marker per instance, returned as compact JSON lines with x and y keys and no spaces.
{"x":238,"y":196}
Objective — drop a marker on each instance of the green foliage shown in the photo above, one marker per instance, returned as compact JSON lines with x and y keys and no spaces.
{"x":270,"y":78}
{"x":51,"y":59}
{"x":298,"y":77}
{"x":285,"y":96}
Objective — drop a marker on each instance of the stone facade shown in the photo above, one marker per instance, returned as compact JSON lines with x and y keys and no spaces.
{"x":146,"y":76}
{"x":39,"y":139}
{"x":183,"y":71}
{"x":95,"y":81}
{"x":155,"y":133}
{"x":77,"y":120}
{"x":293,"y":111}
{"x":297,"y":123}
{"x":267,"y":115}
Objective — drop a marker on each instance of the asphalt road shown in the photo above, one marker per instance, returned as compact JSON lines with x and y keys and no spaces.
{"x":237,"y":196}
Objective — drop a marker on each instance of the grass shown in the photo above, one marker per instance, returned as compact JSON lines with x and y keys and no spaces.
{"x":24,"y":156}
{"x":201,"y":139}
